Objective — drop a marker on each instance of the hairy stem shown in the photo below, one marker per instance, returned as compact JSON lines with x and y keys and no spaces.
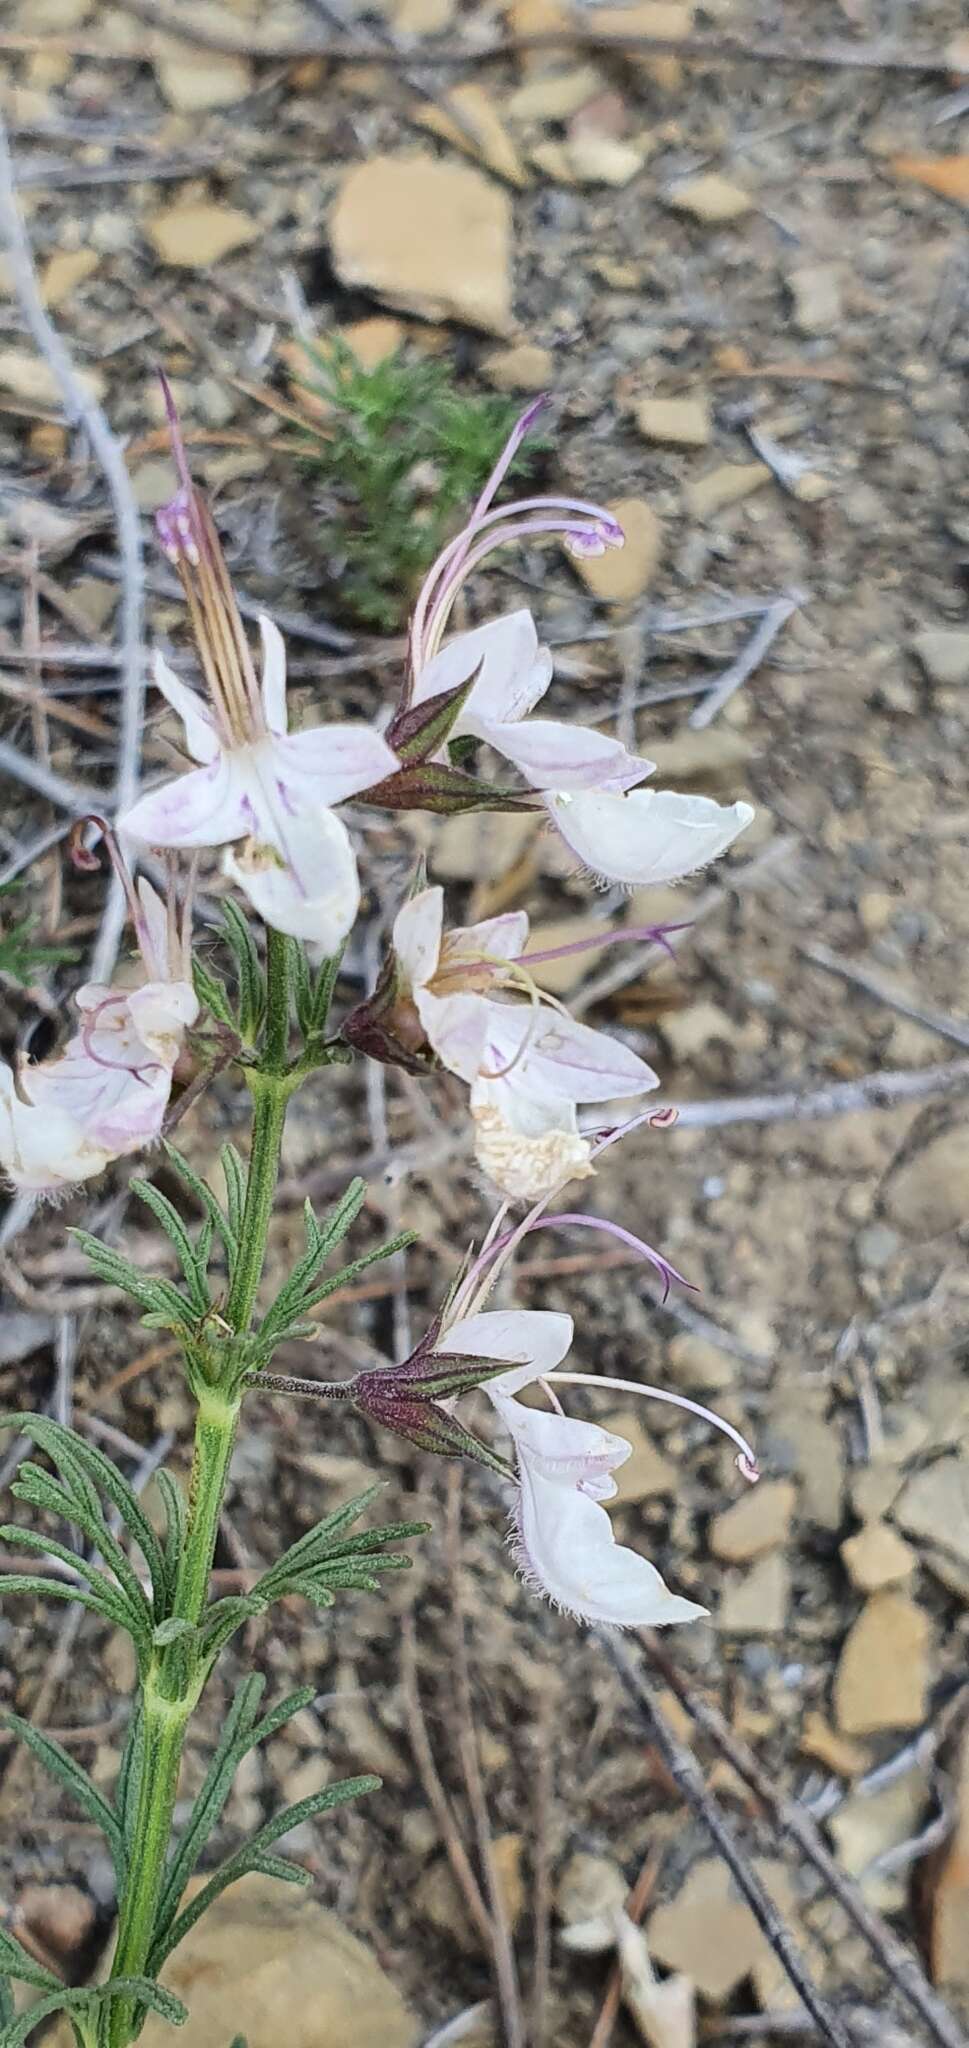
{"x":175,"y":1680}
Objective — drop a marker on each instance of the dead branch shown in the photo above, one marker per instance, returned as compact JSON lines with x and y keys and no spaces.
{"x":857,"y":975}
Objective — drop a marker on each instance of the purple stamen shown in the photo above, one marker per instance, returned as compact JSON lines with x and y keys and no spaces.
{"x":649,"y":934}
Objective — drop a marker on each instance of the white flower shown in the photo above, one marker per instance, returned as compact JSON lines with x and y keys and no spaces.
{"x":105,"y":1095}
{"x":255,"y":782}
{"x":527,"y":1062}
{"x":565,"y":1542}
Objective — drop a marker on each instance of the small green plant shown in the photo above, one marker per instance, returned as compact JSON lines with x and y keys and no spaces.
{"x":20,"y":956}
{"x":407,"y":452}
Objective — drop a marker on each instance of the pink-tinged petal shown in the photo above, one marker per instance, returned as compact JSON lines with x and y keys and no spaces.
{"x":108,"y":1082}
{"x":154,"y":936}
{"x":567,"y":1550}
{"x":495,"y":938}
{"x":328,"y":763}
{"x":206,"y":808}
{"x":162,"y":1012}
{"x":534,"y":1341}
{"x":553,"y":755}
{"x":43,"y":1150}
{"x":417,"y":935}
{"x":515,"y":670}
{"x":201,"y":738}
{"x":273,"y":675}
{"x":455,"y":1027}
{"x":565,"y":1448}
{"x":548,"y":1055}
{"x":306,"y":883}
{"x":650,"y":836}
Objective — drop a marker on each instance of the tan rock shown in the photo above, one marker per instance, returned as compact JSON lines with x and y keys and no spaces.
{"x":877,"y":1557}
{"x":507,"y":1857}
{"x":437,"y":1899}
{"x":700,"y":1024}
{"x":661,"y":19}
{"x":28,"y":377}
{"x":869,"y":1824}
{"x":647,"y":1474}
{"x":193,"y":80}
{"x":431,"y":237}
{"x":697,"y":1364}
{"x":476,"y":127}
{"x":757,"y":1604}
{"x":710,"y":1935}
{"x":883,"y":1673}
{"x":759,"y":1521}
{"x":943,"y":652}
{"x":710,"y":198}
{"x":934,"y":1507}
{"x":372,"y":341}
{"x":194,"y":233}
{"x":726,"y":485}
{"x":279,"y":1969}
{"x":675,"y":422}
{"x":603,"y":159}
{"x":526,"y":368}
{"x":816,"y":291}
{"x":949,"y":1895}
{"x":622,"y":574}
{"x":555,"y":97}
{"x":64,"y":271}
{"x":928,"y":1193}
{"x":423,"y":17}
{"x":590,"y":1897}
{"x":836,"y":1752}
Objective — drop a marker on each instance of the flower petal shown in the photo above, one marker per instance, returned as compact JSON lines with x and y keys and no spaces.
{"x":553,"y":755}
{"x":456,"y":1027}
{"x":649,"y":836}
{"x":565,"y":1447}
{"x":201,"y":738}
{"x":550,"y":1056}
{"x":495,"y":938}
{"x":306,"y":884}
{"x":273,"y":675}
{"x":533,"y":1154}
{"x":327,"y":763}
{"x":205,"y":808}
{"x":568,"y":1550}
{"x":417,"y":935}
{"x":534,"y":1341}
{"x":515,"y":670}
{"x":43,"y":1150}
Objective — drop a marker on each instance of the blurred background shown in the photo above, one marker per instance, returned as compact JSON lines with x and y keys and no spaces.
{"x":731,"y":242}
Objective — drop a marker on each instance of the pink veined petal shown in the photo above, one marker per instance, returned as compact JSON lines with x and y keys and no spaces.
{"x":567,"y":1549}
{"x":648,"y":836}
{"x":495,"y":938}
{"x":110,"y":1084}
{"x":273,"y":675}
{"x":534,"y":1341}
{"x":205,"y":808}
{"x":328,"y":763}
{"x":155,"y":938}
{"x":162,"y":1011}
{"x":550,"y":1054}
{"x":201,"y":738}
{"x":43,"y":1150}
{"x":307,"y":886}
{"x":566,"y":1448}
{"x":456,"y":1027}
{"x":417,"y":935}
{"x":515,"y":670}
{"x":556,"y":756}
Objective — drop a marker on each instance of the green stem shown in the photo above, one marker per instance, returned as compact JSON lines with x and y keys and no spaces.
{"x":175,"y":1679}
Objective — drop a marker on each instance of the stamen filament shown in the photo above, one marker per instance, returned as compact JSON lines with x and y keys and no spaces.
{"x":746,"y":1461}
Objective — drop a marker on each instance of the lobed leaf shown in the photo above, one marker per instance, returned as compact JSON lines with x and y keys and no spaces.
{"x":76,"y":1783}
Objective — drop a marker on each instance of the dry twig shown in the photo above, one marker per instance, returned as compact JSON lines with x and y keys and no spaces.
{"x":858,"y":976}
{"x":434,"y":1792}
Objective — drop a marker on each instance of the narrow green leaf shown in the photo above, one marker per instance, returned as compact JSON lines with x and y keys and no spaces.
{"x":127,"y":1789}
{"x":206,"y":1200}
{"x":176,"y":1523}
{"x":76,"y":1782}
{"x":247,"y":1858}
{"x":236,"y":1180}
{"x":47,"y":1546}
{"x":302,"y":984}
{"x":85,"y":1467}
{"x":323,"y":993}
{"x":168,"y":1219}
{"x":7,"y":2009}
{"x":233,"y":1743}
{"x":21,"y":1967}
{"x":155,"y":1294}
{"x":252,"y":987}
{"x":348,"y":1274}
{"x":55,"y":1589}
{"x":212,"y":994}
{"x":322,"y":1238}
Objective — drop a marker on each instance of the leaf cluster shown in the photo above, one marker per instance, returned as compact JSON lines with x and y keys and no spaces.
{"x":20,"y":956}
{"x":389,"y":428}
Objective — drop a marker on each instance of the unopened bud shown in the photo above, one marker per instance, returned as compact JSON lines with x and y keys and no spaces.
{"x":390,"y":1397}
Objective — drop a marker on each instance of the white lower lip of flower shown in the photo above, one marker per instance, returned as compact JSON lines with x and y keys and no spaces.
{"x":526,"y":1167}
{"x":647,"y":836}
{"x":566,"y":1549}
{"x":311,"y":889}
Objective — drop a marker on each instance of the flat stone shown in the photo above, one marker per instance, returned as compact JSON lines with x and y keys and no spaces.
{"x":816,"y":291}
{"x":759,"y":1521}
{"x":30,"y":378}
{"x":476,"y":127}
{"x":882,"y":1678}
{"x":943,"y":652}
{"x":64,"y":271}
{"x":927,"y":1194}
{"x":194,"y":233}
{"x":708,"y":1933}
{"x":949,"y":1904}
{"x":431,"y":237}
{"x":697,"y":1364}
{"x":277,"y":1967}
{"x":702,"y":1023}
{"x":193,"y":80}
{"x":622,"y":574}
{"x":726,"y":485}
{"x":603,"y":159}
{"x":757,"y":1604}
{"x":675,"y":422}
{"x":525,"y":368}
{"x":710,"y":198}
{"x":836,"y":1752}
{"x":934,"y":1507}
{"x":870,"y":1823}
{"x":873,"y":1490}
{"x":877,"y":1557}
{"x":555,"y":97}
{"x":646,"y":1475}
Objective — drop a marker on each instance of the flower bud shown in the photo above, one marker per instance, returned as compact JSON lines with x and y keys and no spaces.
{"x":386,"y":1026}
{"x":397,"y":1397}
